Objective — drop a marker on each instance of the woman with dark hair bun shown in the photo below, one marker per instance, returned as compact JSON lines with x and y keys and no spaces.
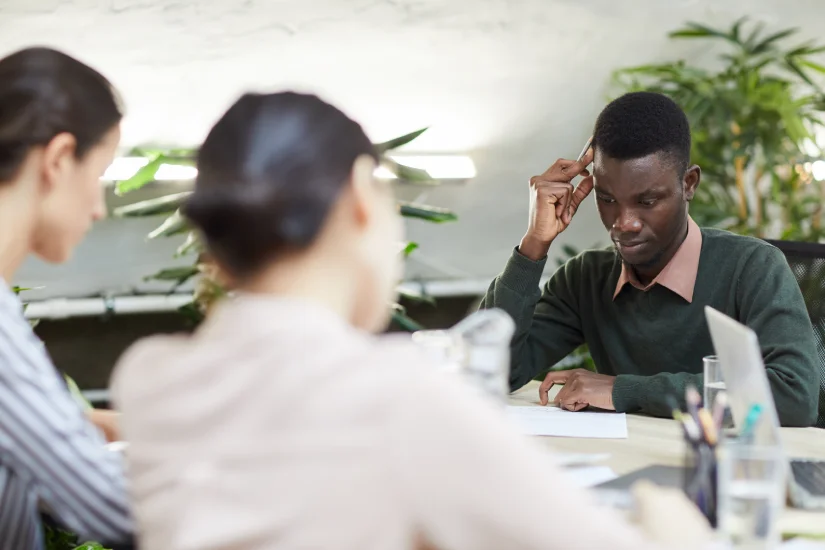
{"x":59,"y":129}
{"x":283,"y":422}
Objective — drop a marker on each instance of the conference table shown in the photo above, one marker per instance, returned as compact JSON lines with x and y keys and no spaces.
{"x":653,"y":441}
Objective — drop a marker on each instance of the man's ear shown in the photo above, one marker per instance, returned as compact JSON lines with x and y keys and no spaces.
{"x":57,"y":158}
{"x":362,"y":181}
{"x":691,"y":181}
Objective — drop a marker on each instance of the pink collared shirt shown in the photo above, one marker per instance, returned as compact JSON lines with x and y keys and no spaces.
{"x":679,"y":275}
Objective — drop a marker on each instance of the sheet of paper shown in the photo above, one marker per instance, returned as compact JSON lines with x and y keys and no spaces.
{"x":557,"y":422}
{"x":590,"y":476}
{"x":803,"y":544}
{"x":578,"y":459}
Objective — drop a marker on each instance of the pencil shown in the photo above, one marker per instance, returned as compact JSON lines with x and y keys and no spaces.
{"x":586,"y":147}
{"x":706,"y":421}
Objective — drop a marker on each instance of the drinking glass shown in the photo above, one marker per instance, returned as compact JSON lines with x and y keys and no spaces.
{"x":714,"y":385}
{"x":752,"y":487}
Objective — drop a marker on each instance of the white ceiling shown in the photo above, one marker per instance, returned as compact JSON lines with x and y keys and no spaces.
{"x":516,"y":83}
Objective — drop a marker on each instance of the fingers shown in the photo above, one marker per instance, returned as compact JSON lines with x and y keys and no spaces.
{"x":583,"y":189}
{"x":571,"y":396}
{"x":565,"y":170}
{"x":551,"y":380}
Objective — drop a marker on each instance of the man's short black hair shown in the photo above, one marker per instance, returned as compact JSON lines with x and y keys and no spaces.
{"x":639,"y":124}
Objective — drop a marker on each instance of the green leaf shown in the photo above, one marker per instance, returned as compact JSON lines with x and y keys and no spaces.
{"x":425,"y":212}
{"x":414,"y":296}
{"x":178,"y":274}
{"x":152,"y":207}
{"x":395,"y":143}
{"x":792,"y":65}
{"x":407,"y":173}
{"x":141,"y":177}
{"x":737,"y":27}
{"x":811,"y":65}
{"x":768,"y":41}
{"x":698,"y":30}
{"x":405,"y":322}
{"x":409,"y":248}
{"x":190,"y":245}
{"x":173,"y":225}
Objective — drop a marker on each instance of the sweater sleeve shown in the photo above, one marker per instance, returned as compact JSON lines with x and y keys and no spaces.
{"x":769,"y":302}
{"x":548,"y":326}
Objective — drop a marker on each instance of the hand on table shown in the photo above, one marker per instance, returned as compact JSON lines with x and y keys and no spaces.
{"x":582,"y":388}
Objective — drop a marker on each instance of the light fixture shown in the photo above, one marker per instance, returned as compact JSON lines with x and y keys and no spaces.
{"x":818,"y":170}
{"x":439,"y":167}
{"x":123,"y":168}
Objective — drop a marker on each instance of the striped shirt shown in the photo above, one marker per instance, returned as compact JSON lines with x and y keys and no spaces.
{"x":52,"y":459}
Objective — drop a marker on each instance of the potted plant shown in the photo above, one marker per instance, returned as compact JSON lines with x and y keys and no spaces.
{"x":754,"y":120}
{"x":208,"y":288}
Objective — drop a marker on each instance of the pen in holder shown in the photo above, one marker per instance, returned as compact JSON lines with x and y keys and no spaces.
{"x":700,"y":484}
{"x":701,"y":429}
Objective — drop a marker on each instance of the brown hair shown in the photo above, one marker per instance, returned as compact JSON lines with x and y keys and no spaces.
{"x":43,"y":93}
{"x":269,"y":173}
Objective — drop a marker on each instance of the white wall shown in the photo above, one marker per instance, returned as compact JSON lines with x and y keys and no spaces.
{"x":517,"y":83}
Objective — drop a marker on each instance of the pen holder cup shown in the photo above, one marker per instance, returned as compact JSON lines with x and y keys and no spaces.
{"x":700,"y":483}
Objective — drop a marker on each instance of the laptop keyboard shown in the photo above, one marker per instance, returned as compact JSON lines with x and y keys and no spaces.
{"x":810,"y":476}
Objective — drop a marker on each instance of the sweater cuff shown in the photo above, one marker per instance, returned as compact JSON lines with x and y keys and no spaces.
{"x":521,"y":274}
{"x":628,"y":392}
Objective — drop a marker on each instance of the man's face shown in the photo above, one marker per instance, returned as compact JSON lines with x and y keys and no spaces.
{"x":643,"y":205}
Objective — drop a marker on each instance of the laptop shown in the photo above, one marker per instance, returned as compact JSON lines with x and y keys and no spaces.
{"x":747,"y":383}
{"x":743,"y":369}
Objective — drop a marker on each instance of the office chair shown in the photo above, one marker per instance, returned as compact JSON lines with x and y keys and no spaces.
{"x":807,"y":261}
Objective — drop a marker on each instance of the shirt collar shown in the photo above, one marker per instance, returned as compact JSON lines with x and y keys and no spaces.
{"x":679,"y":275}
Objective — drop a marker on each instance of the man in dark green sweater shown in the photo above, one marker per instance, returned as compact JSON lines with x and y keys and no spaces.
{"x":640,"y":304}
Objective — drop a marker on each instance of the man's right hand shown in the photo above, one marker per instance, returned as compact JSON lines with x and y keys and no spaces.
{"x":553,"y":203}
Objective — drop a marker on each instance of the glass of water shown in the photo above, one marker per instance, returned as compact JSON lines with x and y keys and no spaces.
{"x":752,"y":486}
{"x":714,"y":385}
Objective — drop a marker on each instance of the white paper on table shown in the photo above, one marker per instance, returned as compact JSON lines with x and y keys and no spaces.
{"x":590,"y":476}
{"x":578,"y":459}
{"x":802,"y":544}
{"x":560,"y":423}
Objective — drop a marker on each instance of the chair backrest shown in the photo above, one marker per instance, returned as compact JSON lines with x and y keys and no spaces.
{"x":807,"y":261}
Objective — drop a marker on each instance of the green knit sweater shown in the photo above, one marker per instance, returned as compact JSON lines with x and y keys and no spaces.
{"x":654,"y":341}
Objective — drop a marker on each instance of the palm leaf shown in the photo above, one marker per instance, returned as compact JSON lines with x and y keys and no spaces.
{"x":143,"y":176}
{"x":173,"y":225}
{"x":395,"y":143}
{"x":425,"y":212}
{"x":769,"y":41}
{"x":152,"y":207}
{"x":405,"y":322}
{"x":407,"y":173}
{"x":409,"y":248}
{"x":178,"y":274}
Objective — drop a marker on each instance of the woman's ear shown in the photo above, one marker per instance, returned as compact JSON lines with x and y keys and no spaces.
{"x":362,"y":181}
{"x":57,"y":159}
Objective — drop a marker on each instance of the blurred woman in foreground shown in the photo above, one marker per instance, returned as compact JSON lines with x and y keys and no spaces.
{"x":59,"y":128}
{"x":283,"y":422}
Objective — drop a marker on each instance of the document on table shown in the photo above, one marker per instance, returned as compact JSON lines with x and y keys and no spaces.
{"x":590,"y":476}
{"x":560,"y":423}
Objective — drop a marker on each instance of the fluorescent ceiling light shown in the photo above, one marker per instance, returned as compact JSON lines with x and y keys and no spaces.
{"x":440,"y":167}
{"x":123,"y":168}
